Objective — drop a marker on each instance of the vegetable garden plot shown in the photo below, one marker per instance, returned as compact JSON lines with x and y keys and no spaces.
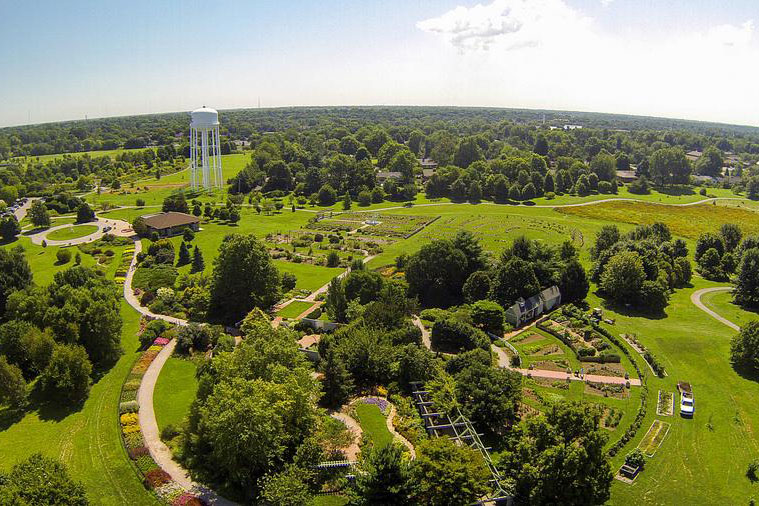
{"x":654,"y":437}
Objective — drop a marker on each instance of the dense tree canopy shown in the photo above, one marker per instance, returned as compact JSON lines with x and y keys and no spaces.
{"x":244,"y":277}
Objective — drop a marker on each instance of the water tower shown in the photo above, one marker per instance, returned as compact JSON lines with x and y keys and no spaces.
{"x":205,"y":148}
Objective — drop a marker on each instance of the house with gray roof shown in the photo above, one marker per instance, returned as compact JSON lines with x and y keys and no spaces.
{"x":526,"y":310}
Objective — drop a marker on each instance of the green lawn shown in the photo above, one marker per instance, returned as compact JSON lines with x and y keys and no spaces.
{"x":293,"y":309}
{"x":705,"y":466}
{"x":174,"y":391}
{"x":72,"y":232}
{"x":374,"y":425}
{"x":86,"y":440}
{"x":44,"y":263}
{"x":722,"y":304}
{"x":310,"y":277}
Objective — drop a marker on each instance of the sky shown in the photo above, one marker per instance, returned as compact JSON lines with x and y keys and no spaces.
{"x":692,"y":59}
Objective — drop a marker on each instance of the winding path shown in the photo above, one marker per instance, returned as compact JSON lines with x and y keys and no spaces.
{"x":148,"y":424}
{"x":696,"y":299}
{"x":118,"y":227}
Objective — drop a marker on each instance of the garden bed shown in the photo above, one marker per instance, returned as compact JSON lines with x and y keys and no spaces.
{"x":606,"y":390}
{"x":152,"y":476}
{"x":654,"y":437}
{"x":666,"y":403}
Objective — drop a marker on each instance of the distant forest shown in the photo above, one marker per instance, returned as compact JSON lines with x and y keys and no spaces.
{"x":372,"y":153}
{"x":133,"y":132}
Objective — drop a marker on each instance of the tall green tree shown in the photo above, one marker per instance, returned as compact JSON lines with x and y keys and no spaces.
{"x":198,"y":264}
{"x":184,"y":255}
{"x":623,"y":277}
{"x":746,"y":292}
{"x":43,"y":481}
{"x":744,"y":348}
{"x":9,"y":228}
{"x":67,"y":376}
{"x":13,"y":389}
{"x":38,"y":214}
{"x":559,"y":458}
{"x":383,"y":478}
{"x":15,"y":273}
{"x":244,"y":277}
{"x":512,"y":280}
{"x":446,"y":473}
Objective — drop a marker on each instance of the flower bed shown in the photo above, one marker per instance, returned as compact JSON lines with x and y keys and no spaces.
{"x":155,"y":479}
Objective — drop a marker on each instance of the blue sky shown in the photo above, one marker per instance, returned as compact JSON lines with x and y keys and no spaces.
{"x":693,"y":59}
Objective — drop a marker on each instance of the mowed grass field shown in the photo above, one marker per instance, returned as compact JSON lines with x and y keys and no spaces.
{"x":174,"y":391}
{"x":703,"y":460}
{"x":722,"y":304}
{"x":87,"y":440}
{"x":293,"y":309}
{"x":373,"y":424}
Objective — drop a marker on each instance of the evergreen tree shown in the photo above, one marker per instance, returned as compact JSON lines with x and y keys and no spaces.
{"x":184,"y":255}
{"x":198,"y":264}
{"x":338,"y":382}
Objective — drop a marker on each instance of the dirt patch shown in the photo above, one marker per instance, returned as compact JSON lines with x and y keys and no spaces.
{"x":551,"y":383}
{"x":615,"y":370}
{"x":551,"y":349}
{"x":549,"y":365}
{"x":603,"y":390}
{"x":532,"y":338}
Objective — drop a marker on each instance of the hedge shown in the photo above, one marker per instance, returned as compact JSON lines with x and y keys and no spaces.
{"x":450,"y":334}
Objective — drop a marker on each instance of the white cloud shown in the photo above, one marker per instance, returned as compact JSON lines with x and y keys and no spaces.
{"x":511,"y":24}
{"x":546,"y":54}
{"x":606,"y":3}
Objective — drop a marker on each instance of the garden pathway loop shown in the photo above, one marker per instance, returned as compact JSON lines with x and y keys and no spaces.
{"x":148,"y":424}
{"x":696,"y":299}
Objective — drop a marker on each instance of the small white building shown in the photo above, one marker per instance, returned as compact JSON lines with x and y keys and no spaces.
{"x":525,"y":310}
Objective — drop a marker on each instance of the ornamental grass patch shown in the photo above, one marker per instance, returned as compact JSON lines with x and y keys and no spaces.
{"x":129,"y":406}
{"x":136,"y":453}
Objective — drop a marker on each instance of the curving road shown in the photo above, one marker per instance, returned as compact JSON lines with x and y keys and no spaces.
{"x":696,"y":299}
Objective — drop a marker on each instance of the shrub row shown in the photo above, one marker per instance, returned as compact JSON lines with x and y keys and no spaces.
{"x":603,"y":358}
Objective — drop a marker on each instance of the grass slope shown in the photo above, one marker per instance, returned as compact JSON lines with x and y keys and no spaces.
{"x":373,"y":424}
{"x":174,"y":391}
{"x":86,"y":440}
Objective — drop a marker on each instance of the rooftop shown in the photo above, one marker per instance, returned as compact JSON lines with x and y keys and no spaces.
{"x":171,"y":219}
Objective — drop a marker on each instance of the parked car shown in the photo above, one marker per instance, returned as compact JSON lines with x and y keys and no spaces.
{"x":687,"y":402}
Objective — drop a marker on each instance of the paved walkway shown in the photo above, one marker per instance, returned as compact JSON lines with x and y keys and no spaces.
{"x":20,"y":213}
{"x":148,"y":424}
{"x":696,"y":299}
{"x":352,"y":452}
{"x":118,"y":227}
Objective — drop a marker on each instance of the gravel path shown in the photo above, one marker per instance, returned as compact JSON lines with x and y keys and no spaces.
{"x":696,"y":299}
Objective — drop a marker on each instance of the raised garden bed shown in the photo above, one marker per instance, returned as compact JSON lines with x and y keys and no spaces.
{"x":666,"y":403}
{"x":654,"y":437}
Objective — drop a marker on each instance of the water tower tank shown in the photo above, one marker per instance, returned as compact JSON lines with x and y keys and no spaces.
{"x":204,"y":117}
